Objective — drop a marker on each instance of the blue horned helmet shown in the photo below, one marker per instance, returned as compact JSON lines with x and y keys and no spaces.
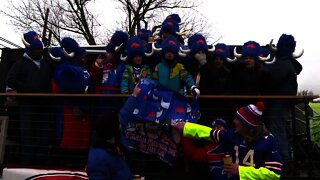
{"x":285,"y":47}
{"x":250,"y":48}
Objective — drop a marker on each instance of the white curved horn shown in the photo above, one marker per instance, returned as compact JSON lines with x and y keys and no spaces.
{"x":70,"y":55}
{"x":123,"y":58}
{"x":181,"y":54}
{"x":181,"y":33}
{"x":296,"y":56}
{"x":212,"y":49}
{"x":118,"y":48}
{"x":25,"y":42}
{"x":55,"y":58}
{"x":271,"y":46}
{"x":264,"y":58}
{"x":184,"y":50}
{"x":149,"y":54}
{"x":154,"y":47}
{"x":232,"y":60}
{"x":236,"y":55}
{"x":270,"y":62}
{"x":156,"y":33}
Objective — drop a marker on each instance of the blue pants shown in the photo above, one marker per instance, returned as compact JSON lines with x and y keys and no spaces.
{"x":102,"y":165}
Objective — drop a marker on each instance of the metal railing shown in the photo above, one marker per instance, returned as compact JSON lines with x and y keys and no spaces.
{"x":294,"y":99}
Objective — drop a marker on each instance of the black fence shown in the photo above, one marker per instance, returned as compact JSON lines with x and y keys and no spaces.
{"x":305,"y":161}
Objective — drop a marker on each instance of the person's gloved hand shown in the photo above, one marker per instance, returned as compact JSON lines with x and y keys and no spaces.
{"x":195,"y":91}
{"x":201,"y":57}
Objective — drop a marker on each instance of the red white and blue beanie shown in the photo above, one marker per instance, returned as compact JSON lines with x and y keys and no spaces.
{"x":250,"y":115}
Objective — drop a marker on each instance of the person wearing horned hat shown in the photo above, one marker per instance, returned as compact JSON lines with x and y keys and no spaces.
{"x":32,"y":74}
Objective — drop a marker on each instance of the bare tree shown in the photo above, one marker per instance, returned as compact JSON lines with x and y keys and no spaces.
{"x":151,"y":13}
{"x":141,"y":13}
{"x":56,"y":17}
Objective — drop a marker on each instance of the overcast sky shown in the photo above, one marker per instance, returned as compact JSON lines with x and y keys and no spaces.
{"x":238,"y":21}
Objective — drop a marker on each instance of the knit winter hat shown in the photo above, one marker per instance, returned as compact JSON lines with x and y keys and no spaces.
{"x":197,"y":43}
{"x":286,"y":45}
{"x":170,"y":44}
{"x":118,"y":42}
{"x":169,"y":25}
{"x":134,"y":47}
{"x":32,"y":41}
{"x":250,"y":115}
{"x":221,"y":50}
{"x":252,"y":49}
{"x":144,"y":34}
{"x":174,"y":17}
{"x":71,"y":49}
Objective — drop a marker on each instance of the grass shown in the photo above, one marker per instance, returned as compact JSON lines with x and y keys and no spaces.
{"x":315,"y":107}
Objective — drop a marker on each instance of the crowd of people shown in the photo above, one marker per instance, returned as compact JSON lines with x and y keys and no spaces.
{"x":188,"y":68}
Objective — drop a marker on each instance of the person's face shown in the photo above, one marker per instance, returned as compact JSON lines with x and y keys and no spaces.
{"x":111,"y":57}
{"x":169,"y":56}
{"x":137,"y":59}
{"x":238,"y":125}
{"x":249,"y":62}
{"x":218,"y":62}
{"x":165,"y":34}
{"x":36,"y":53}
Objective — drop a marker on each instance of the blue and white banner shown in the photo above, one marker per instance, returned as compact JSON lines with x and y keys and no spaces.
{"x":149,"y":130}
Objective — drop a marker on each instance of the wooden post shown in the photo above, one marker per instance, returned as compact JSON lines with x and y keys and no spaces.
{"x":3,"y":135}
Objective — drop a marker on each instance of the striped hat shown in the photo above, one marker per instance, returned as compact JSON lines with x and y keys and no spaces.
{"x":250,"y":115}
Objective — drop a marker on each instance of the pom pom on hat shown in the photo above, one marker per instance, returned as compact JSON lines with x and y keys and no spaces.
{"x":252,"y":49}
{"x":250,"y":115}
{"x":261,"y":106}
{"x":197,"y":43}
{"x":286,"y":45}
{"x":117,"y":42}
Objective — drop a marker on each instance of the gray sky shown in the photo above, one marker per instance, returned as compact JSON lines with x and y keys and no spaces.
{"x":238,"y":21}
